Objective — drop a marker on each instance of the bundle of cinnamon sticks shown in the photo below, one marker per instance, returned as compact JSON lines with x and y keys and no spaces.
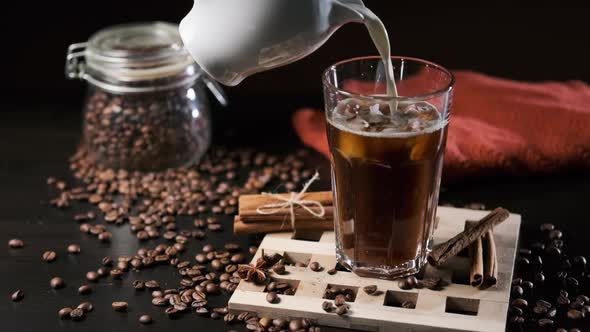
{"x":250,"y":220}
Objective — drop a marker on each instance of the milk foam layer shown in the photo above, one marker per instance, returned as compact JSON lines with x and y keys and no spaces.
{"x":376,"y":120}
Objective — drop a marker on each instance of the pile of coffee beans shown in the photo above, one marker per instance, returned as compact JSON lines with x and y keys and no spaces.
{"x":152,"y":203}
{"x":147,"y":131}
{"x":550,"y":286}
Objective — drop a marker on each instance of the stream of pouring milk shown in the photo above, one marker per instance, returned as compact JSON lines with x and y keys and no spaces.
{"x":380,"y":38}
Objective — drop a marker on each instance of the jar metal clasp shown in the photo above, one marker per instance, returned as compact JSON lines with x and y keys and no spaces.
{"x":75,"y":64}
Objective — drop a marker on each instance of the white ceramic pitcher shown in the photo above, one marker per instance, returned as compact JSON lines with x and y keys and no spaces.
{"x":233,"y":39}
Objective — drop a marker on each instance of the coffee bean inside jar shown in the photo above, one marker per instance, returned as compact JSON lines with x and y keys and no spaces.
{"x":146,"y":107}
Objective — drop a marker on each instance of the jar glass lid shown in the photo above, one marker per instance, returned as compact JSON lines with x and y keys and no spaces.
{"x":134,"y":52}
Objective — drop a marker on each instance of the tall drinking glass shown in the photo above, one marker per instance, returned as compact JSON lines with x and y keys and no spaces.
{"x":387,"y":156}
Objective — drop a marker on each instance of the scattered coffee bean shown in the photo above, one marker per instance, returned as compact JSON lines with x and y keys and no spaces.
{"x":575,"y":314}
{"x":17,"y":296}
{"x":86,"y":306}
{"x":327,"y":306}
{"x":49,"y":256}
{"x":152,"y":284}
{"x":370,"y":290}
{"x":342,"y":310}
{"x":339,"y":300}
{"x":295,"y":325}
{"x":547,"y":227}
{"x":145,"y":319}
{"x":77,"y":314}
{"x":279,"y":269}
{"x":105,"y":236}
{"x":272,"y":297}
{"x":84,"y":289}
{"x":332,"y":271}
{"x":16,"y":243}
{"x":520,"y":302}
{"x":74,"y":249}
{"x":517,"y":291}
{"x":64,"y":313}
{"x":315,"y":266}
{"x":403,"y":284}
{"x":544,"y":322}
{"x":120,"y":306}
{"x":92,"y":276}
{"x":57,"y":283}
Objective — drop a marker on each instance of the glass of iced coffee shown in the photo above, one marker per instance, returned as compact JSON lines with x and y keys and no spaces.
{"x":387,"y":154}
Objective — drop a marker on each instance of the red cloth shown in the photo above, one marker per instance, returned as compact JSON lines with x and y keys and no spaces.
{"x":500,"y":126}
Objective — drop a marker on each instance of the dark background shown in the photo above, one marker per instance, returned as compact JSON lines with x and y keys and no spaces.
{"x":546,"y":43}
{"x":40,"y":128}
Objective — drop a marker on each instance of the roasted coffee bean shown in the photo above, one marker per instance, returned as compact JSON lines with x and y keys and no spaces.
{"x":216,"y":264}
{"x":515,"y":311}
{"x":575,"y":314}
{"x":105,"y":236}
{"x":272,"y":297}
{"x":159,"y":301}
{"x":525,"y":252}
{"x":544,"y":322}
{"x":84,"y":289}
{"x":57,"y":283}
{"x":538,"y":247}
{"x":521,"y":303}
{"x":116,"y":273}
{"x":403,"y":284}
{"x":517,"y":291}
{"x":171,"y":312}
{"x":208,"y":248}
{"x":202,"y":311}
{"x":152,"y":284}
{"x":295,"y":325}
{"x":517,"y":282}
{"x":17,"y":296}
{"x":138,"y":285}
{"x":370,"y":289}
{"x":551,"y":313}
{"x":64,"y":313}
{"x":86,"y":306}
{"x":546,"y":227}
{"x":107,"y":261}
{"x":563,"y":300}
{"x":212,"y":288}
{"x":579,"y":261}
{"x":229,"y":318}
{"x":539,"y":278}
{"x":583,"y":298}
{"x":279,"y":269}
{"x":16,"y":243}
{"x":180,"y":306}
{"x":516,"y":320}
{"x":237,"y":258}
{"x":102,"y":271}
{"x":540,"y":310}
{"x":77,"y":314}
{"x":74,"y":249}
{"x":315,"y":266}
{"x":252,"y":250}
{"x":342,"y":310}
{"x":339,"y":300}
{"x":215,"y":315}
{"x":49,"y":256}
{"x":555,"y":234}
{"x":92,"y":276}
{"x":331,"y":271}
{"x":120,"y":306}
{"x":527,"y":285}
{"x":327,"y":306}
{"x":145,"y":319}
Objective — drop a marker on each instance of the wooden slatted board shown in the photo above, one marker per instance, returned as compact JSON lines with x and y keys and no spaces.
{"x":459,"y":307}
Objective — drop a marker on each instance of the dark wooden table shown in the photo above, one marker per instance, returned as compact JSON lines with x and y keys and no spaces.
{"x":35,"y":144}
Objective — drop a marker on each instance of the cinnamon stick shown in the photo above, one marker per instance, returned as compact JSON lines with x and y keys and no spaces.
{"x":442,"y":252}
{"x":249,"y":205}
{"x":477,"y":262}
{"x":241,"y":227}
{"x":490,"y":259}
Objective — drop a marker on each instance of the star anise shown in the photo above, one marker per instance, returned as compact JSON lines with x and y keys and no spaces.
{"x":252,"y":273}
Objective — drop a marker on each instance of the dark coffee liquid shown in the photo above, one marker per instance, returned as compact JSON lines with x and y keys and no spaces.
{"x":386,"y":174}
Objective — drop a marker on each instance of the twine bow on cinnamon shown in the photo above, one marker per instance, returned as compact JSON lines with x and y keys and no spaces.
{"x":295,"y":199}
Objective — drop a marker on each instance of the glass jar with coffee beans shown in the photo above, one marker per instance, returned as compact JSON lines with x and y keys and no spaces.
{"x":146,"y":107}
